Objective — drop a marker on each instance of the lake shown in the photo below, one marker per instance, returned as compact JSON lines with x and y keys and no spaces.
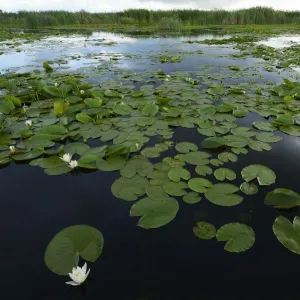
{"x":169,"y":262}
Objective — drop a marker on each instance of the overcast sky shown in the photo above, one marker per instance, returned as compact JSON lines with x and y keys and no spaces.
{"x":117,"y":5}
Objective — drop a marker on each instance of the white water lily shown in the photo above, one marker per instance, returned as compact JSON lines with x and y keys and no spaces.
{"x":166,"y":79}
{"x":56,"y":84}
{"x":168,"y":76}
{"x":66,"y":157}
{"x":73,"y":164}
{"x":28,"y":123}
{"x":24,"y":108}
{"x":12,"y":149}
{"x":81,"y":92}
{"x":79,"y":275}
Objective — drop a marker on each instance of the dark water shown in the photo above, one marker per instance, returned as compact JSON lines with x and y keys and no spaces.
{"x":165,"y":263}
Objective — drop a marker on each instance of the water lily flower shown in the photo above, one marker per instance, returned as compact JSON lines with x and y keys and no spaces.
{"x":12,"y":149}
{"x":79,"y":275}
{"x":168,"y":76}
{"x":81,"y":92}
{"x":56,"y":84}
{"x":166,"y":79}
{"x":24,"y":108}
{"x":73,"y":164}
{"x":66,"y":157}
{"x":28,"y":123}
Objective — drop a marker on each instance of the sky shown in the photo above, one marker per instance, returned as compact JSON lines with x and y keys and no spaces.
{"x":117,"y":5}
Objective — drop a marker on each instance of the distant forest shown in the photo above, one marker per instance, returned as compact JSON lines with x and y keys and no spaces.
{"x":255,"y":15}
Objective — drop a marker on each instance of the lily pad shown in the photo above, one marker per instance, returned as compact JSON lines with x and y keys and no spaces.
{"x":223,"y":194}
{"x":137,"y":165}
{"x":175,"y":188}
{"x":63,"y":251}
{"x":239,"y":237}
{"x":227,"y":156}
{"x":264,"y":175}
{"x":288,"y":234}
{"x":198,"y":158}
{"x":283,"y":198}
{"x":205,"y":231}
{"x":248,"y":188}
{"x":191,"y":198}
{"x":186,"y":147}
{"x":199,"y":185}
{"x":203,"y":170}
{"x":112,"y":163}
{"x":224,"y":173}
{"x":76,"y":148}
{"x":175,"y":174}
{"x":129,"y":189}
{"x":154,"y":214}
{"x":265,"y":126}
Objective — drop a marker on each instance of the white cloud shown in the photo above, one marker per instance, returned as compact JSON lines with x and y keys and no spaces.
{"x":117,"y":5}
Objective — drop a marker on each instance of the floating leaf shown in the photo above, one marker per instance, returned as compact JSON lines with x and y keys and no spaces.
{"x":28,"y":155}
{"x":175,"y":188}
{"x":150,"y":110}
{"x":84,"y":118}
{"x":199,"y":185}
{"x":239,"y":237}
{"x":63,"y":169}
{"x":203,"y":170}
{"x":111,"y":163}
{"x":288,"y":234}
{"x":186,"y":147}
{"x":264,"y":175}
{"x":154,"y":213}
{"x":293,"y":130}
{"x":122,"y":109}
{"x":93,"y":102}
{"x":150,"y":152}
{"x":204,"y":231}
{"x":198,"y":158}
{"x":265,"y":126}
{"x":283,"y":198}
{"x":175,"y":174}
{"x":62,"y":252}
{"x":216,"y":162}
{"x":88,"y":161}
{"x":213,"y":142}
{"x":224,"y":173}
{"x":268,"y":137}
{"x":227,"y":156}
{"x":129,"y":189}
{"x":137,"y":165}
{"x":76,"y":148}
{"x":112,"y":94}
{"x":248,"y":188}
{"x":191,"y":198}
{"x":223,"y":194}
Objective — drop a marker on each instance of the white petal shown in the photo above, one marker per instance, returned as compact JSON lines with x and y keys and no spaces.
{"x":84,"y":268}
{"x":72,"y":277}
{"x":72,"y":283}
{"x":87,"y":274}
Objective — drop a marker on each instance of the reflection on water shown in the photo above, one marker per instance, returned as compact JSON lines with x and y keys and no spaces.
{"x":281,"y":41}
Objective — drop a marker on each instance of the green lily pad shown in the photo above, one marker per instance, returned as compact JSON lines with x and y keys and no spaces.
{"x":203,"y":170}
{"x":223,"y":194}
{"x":154,"y":214}
{"x":238,"y":237}
{"x":76,"y":148}
{"x":265,"y":126}
{"x":137,"y":165}
{"x":198,"y":158}
{"x":150,"y":152}
{"x":199,"y":185}
{"x":62,"y":169}
{"x":63,"y":251}
{"x":283,"y":198}
{"x":156,"y":192}
{"x":150,"y":110}
{"x":227,"y":156}
{"x":89,"y":161}
{"x":216,"y":162}
{"x":191,"y":198}
{"x":175,"y":188}
{"x":224,"y":173}
{"x":129,"y":189}
{"x":205,"y":231}
{"x":93,"y":102}
{"x":288,"y":234}
{"x":175,"y":174}
{"x":186,"y":147}
{"x":213,"y":143}
{"x":27,"y":155}
{"x":268,"y":137}
{"x":122,"y":109}
{"x":293,"y":130}
{"x":112,"y":163}
{"x":249,"y":188}
{"x":264,"y":175}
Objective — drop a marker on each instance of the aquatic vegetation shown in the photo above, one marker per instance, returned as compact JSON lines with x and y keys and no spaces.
{"x":78,"y":275}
